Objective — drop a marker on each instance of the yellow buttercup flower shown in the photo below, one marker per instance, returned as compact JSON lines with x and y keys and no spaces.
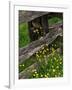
{"x":52,"y":66}
{"x":23,"y":65}
{"x":57,"y":67}
{"x":42,"y":47}
{"x":47,"y":49}
{"x":53,"y":49}
{"x":44,"y":50}
{"x":46,"y":76}
{"x":55,"y":75}
{"x":40,"y":55}
{"x":54,"y":58}
{"x":60,"y":62}
{"x":40,"y":51}
{"x":37,"y":55}
{"x":33,"y":74}
{"x":36,"y":74}
{"x":53,"y":70}
{"x":41,"y":75}
{"x":20,"y":65}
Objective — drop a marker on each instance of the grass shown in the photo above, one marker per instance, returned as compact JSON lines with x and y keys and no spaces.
{"x":54,"y":20}
{"x":23,"y":35}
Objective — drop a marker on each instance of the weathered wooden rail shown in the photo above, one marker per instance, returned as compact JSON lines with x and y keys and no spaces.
{"x":26,"y":16}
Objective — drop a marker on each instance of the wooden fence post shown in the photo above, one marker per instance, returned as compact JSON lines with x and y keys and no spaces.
{"x":44,"y":22}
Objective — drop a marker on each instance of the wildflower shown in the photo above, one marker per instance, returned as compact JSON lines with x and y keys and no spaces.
{"x":53,"y":49}
{"x":42,"y":47}
{"x":20,"y":65}
{"x":52,"y":66}
{"x":23,"y":65}
{"x":54,"y":58}
{"x":60,"y":62}
{"x":41,"y":75}
{"x":44,"y":50}
{"x":45,"y":76}
{"x":53,"y":70}
{"x":57,"y":67}
{"x":40,"y":51}
{"x":55,"y":75}
{"x":35,"y":72}
{"x":37,"y":55}
{"x":47,"y":49}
